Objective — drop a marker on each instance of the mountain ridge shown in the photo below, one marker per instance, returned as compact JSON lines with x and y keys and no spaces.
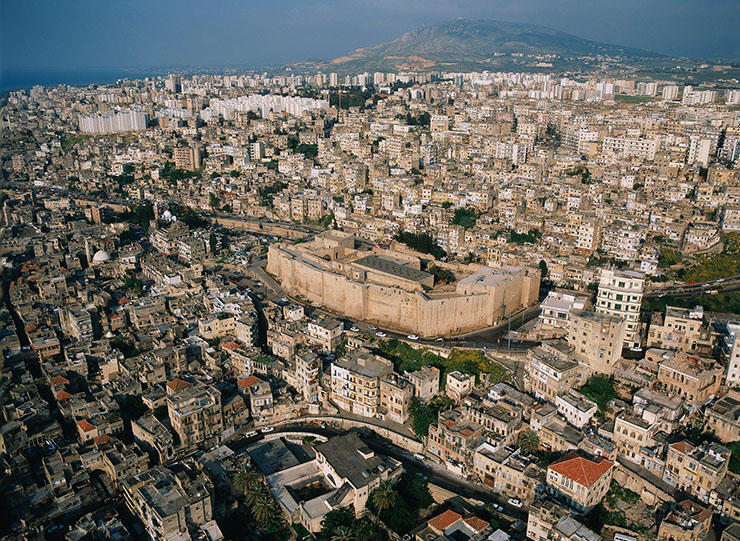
{"x":483,"y":43}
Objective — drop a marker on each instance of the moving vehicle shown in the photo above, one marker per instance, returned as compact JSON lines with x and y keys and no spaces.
{"x":514,"y":502}
{"x":354,"y":329}
{"x":251,"y":434}
{"x":381,"y":334}
{"x":267,"y":429}
{"x":412,"y":337}
{"x":420,"y":457}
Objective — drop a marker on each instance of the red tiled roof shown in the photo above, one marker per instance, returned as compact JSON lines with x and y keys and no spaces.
{"x":682,"y":446}
{"x":444,"y":521}
{"x":248,"y":381}
{"x":105,"y":438}
{"x":476,"y":523}
{"x":580,"y":469}
{"x":63,"y":395}
{"x":85,"y":425}
{"x":178,"y":384}
{"x":230,"y":345}
{"x":32,"y":327}
{"x":59,"y":380}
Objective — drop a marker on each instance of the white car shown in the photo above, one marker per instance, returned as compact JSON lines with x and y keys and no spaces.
{"x":284,"y":299}
{"x":412,"y":337}
{"x":440,"y":339}
{"x":354,"y":329}
{"x":267,"y":429}
{"x":420,"y":457}
{"x":373,"y":328}
{"x":381,"y":334}
{"x":514,"y":502}
{"x":251,"y":434}
{"x":497,"y":507}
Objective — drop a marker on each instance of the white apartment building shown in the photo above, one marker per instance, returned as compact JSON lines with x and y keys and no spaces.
{"x":115,"y":123}
{"x":731,"y":349}
{"x":644,"y":149}
{"x":556,"y":309}
{"x":576,"y":408}
{"x":620,"y":295}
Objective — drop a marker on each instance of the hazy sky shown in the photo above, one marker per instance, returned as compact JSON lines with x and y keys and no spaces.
{"x":71,"y":34}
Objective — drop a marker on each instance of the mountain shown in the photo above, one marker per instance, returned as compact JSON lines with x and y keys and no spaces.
{"x":483,"y":44}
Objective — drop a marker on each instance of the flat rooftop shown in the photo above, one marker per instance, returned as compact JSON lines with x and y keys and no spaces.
{"x":381,"y":264}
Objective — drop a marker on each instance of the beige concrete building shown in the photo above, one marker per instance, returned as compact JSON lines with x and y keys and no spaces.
{"x":396,"y":393}
{"x":697,"y":470}
{"x":681,"y":329}
{"x":549,"y":372}
{"x":596,"y":340}
{"x":579,"y":481}
{"x":508,"y":472}
{"x":389,"y":288}
{"x":694,"y":379}
{"x":355,"y":382}
{"x":195,"y":415}
{"x":689,"y":521}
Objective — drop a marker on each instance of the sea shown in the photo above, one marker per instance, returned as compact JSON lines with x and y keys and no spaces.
{"x":20,"y":79}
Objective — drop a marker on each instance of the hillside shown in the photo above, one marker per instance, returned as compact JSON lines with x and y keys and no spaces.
{"x":480,"y":44}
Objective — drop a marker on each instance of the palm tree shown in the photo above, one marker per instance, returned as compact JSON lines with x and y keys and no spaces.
{"x":343,"y":533}
{"x":264,"y":510}
{"x":528,"y":441}
{"x":253,"y":493}
{"x":246,"y":478}
{"x":384,"y":497}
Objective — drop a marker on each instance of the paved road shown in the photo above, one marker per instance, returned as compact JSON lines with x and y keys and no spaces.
{"x":723,"y":285}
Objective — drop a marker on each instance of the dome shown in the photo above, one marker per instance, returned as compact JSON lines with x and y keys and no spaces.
{"x":109,"y":334}
{"x":101,"y":256}
{"x":167,"y":215}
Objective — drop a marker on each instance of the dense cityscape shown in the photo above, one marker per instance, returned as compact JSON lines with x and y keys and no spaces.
{"x":418,"y":305}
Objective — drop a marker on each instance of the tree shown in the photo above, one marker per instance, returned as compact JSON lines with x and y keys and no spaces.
{"x":213,"y":242}
{"x":265,"y":510}
{"x":384,"y":497}
{"x":528,"y":441}
{"x":253,"y":493}
{"x":343,"y":533}
{"x":246,"y":478}
{"x":212,"y":200}
{"x":543,"y":268}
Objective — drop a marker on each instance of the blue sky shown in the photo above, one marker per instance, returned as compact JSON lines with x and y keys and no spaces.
{"x":74,"y":34}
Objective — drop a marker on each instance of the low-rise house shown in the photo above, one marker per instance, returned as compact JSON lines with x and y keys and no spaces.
{"x":576,"y":408}
{"x":579,"y":481}
{"x":688,"y":521}
{"x":698,"y":470}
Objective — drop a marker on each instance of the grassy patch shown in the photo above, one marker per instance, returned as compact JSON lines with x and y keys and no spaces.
{"x":473,"y":362}
{"x":601,"y":390}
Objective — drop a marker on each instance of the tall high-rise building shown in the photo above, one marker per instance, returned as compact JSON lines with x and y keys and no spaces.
{"x":620,"y":295}
{"x":333,"y":79}
{"x":699,"y":150}
{"x":115,"y":123}
{"x":670,"y":93}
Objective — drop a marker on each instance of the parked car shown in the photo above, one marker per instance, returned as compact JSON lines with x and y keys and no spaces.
{"x":267,"y":429}
{"x":514,"y":502}
{"x":251,"y":434}
{"x":381,"y":334}
{"x":412,"y":337}
{"x":419,"y":456}
{"x":354,"y":329}
{"x":498,"y":508}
